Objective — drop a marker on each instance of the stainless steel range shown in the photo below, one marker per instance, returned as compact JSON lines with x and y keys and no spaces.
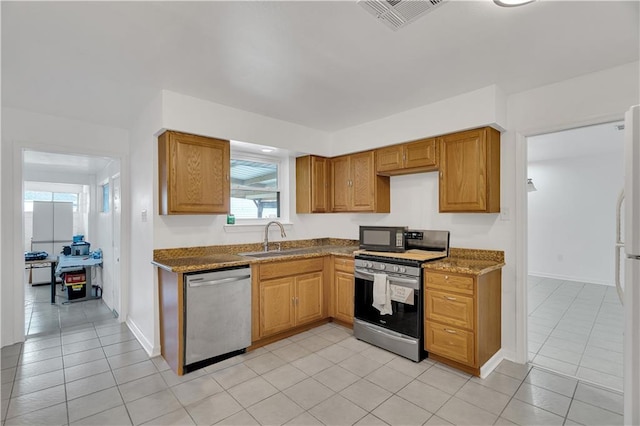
{"x":388,"y":293}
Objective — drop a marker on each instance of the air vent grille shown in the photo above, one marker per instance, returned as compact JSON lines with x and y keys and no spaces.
{"x":396,"y":14}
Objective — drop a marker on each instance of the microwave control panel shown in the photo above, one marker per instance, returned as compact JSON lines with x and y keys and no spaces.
{"x":414,"y":235}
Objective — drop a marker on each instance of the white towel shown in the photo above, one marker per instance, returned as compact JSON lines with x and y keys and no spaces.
{"x":382,"y":294}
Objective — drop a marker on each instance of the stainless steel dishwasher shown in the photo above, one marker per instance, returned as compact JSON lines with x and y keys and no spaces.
{"x":218,"y":315}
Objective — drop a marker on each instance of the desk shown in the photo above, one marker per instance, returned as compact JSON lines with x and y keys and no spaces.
{"x":52,"y":261}
{"x":71,"y":264}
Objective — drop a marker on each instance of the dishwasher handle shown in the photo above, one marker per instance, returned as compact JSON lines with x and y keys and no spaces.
{"x":197,"y":282}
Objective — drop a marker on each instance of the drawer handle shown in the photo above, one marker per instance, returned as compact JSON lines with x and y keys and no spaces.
{"x":450,"y":331}
{"x":449,"y":298}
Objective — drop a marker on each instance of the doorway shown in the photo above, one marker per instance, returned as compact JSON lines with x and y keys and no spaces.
{"x":575,"y":320}
{"x":76,"y":177}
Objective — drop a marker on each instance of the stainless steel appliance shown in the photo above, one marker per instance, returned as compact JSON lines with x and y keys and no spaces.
{"x":217,"y":315}
{"x":383,"y":238}
{"x":400,"y":331}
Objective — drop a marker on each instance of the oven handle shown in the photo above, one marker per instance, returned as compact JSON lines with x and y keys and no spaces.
{"x":405,"y":282}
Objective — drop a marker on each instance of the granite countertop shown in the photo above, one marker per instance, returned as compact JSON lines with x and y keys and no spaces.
{"x":193,"y":259}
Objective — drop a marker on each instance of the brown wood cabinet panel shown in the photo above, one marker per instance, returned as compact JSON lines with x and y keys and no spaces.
{"x":412,"y":157}
{"x":343,"y":290}
{"x":462,"y":314}
{"x":450,"y":342}
{"x":291,"y":267}
{"x":449,"y":282}
{"x":277,"y":299}
{"x":355,"y":185}
{"x":341,"y":184}
{"x":390,"y":158}
{"x":470,"y":171}
{"x":312,"y":184}
{"x":193,"y":174}
{"x":171,"y":319}
{"x":450,"y":308}
{"x":309,"y":298}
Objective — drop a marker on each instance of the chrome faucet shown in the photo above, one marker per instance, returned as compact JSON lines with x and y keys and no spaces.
{"x":266,"y":233}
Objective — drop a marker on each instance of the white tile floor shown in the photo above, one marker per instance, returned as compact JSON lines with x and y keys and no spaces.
{"x":97,"y":373}
{"x":576,"y":329}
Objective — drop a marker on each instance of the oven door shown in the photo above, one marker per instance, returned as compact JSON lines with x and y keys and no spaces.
{"x":407,"y":315}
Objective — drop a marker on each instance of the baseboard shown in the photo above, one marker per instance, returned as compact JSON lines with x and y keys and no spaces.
{"x":491,"y":364}
{"x":146,"y":344}
{"x":569,"y":278}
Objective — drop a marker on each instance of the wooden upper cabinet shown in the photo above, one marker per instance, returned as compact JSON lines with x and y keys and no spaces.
{"x":356,"y":187}
{"x":412,"y":157}
{"x":470,"y":171}
{"x":193,"y":174}
{"x":312,"y":184}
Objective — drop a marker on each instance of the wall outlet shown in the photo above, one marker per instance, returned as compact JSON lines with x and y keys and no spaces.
{"x":143,"y":215}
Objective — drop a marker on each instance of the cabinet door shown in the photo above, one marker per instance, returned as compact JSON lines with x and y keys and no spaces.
{"x":194,"y":174}
{"x":470,"y":171}
{"x":319,"y":185}
{"x":341,"y":180}
{"x":363,"y":181}
{"x":420,"y":153}
{"x":344,"y":292}
{"x":308,"y":299}
{"x":389,"y":158}
{"x":276,"y":305}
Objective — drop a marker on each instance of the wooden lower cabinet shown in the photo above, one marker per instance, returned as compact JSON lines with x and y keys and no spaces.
{"x":343,"y":290}
{"x":462,"y":320}
{"x":291,"y":293}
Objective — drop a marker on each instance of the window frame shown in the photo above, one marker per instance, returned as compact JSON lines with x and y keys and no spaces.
{"x":269,"y":159}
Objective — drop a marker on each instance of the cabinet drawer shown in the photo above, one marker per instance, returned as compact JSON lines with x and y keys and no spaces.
{"x":291,"y":267}
{"x":449,"y":308}
{"x":459,"y":284}
{"x":449,"y":342}
{"x":343,"y":264}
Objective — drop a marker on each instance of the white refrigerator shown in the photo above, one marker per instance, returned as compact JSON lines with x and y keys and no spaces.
{"x":629,"y":286}
{"x":52,"y":229}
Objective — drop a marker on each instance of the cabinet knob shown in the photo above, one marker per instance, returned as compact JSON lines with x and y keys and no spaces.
{"x":446,"y":277}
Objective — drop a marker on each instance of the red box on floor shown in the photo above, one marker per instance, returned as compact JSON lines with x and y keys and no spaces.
{"x":75,"y":283}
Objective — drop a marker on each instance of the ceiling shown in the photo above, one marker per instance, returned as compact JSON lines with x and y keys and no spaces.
{"x":48,"y":162}
{"x":327,"y":65}
{"x":584,"y":141}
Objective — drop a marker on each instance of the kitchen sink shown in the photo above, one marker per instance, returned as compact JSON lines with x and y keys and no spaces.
{"x":276,"y":253}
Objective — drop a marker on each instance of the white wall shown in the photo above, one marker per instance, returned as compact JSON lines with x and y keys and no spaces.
{"x":572,"y":217}
{"x":141,"y":296}
{"x":25,"y":130}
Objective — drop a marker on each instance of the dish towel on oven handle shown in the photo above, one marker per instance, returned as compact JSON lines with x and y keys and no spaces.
{"x":382,"y":294}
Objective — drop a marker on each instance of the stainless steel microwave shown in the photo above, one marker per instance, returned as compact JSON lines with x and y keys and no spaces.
{"x":383,"y":238}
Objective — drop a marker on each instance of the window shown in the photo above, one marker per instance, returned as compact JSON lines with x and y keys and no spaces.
{"x":31,"y":196}
{"x":105,"y":198}
{"x":255,"y":191}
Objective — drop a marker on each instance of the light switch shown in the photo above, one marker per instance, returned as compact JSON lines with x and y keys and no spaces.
{"x":143,"y":216}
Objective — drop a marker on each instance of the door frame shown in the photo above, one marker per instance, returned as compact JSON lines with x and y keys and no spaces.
{"x":16,"y":258}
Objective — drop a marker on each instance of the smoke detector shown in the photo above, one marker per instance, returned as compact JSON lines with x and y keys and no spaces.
{"x":396,"y":14}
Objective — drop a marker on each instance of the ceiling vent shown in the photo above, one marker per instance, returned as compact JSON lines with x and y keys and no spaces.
{"x":396,"y":14}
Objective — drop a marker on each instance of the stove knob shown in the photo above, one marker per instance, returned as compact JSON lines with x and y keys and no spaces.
{"x":403,"y":269}
{"x":368,"y":264}
{"x":395,"y":269}
{"x":382,"y":267}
